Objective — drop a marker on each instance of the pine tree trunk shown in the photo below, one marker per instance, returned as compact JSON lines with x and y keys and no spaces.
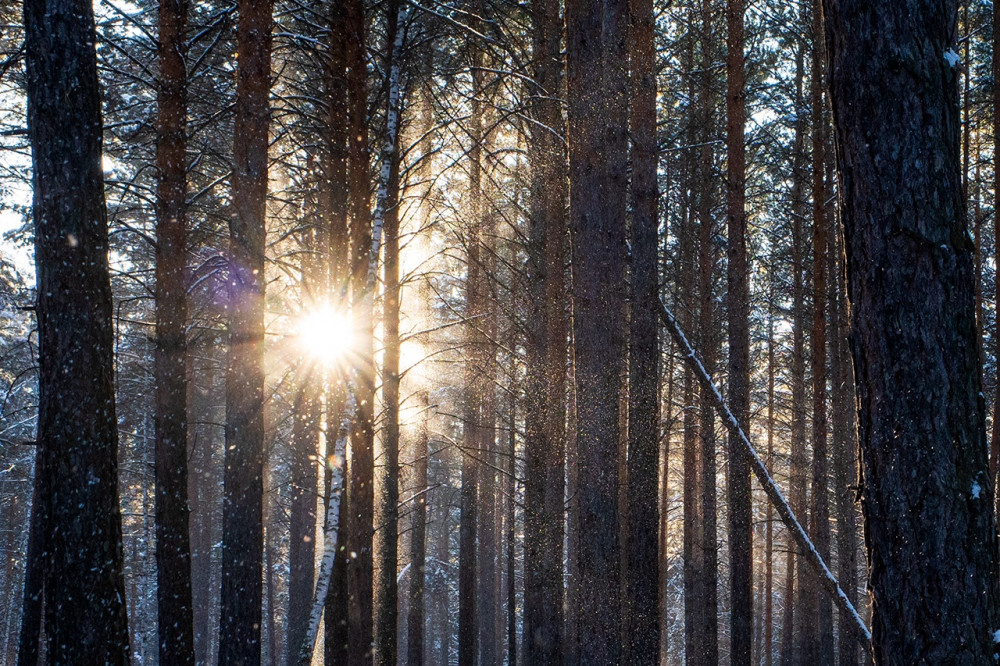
{"x":845,"y":446}
{"x":546,"y":362}
{"x":820,"y":646}
{"x":302,"y":512}
{"x":242,"y":527}
{"x":642,"y":597}
{"x":740,"y":499}
{"x":922,"y":425}
{"x":796,"y":567}
{"x":360,"y":493}
{"x":386,"y":593}
{"x":78,"y":507}
{"x":598,"y":123}
{"x":473,"y":413}
{"x":708,"y":595}
{"x":173,"y":546}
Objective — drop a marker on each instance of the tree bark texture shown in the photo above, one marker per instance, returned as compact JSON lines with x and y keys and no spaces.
{"x":84,"y":591}
{"x":242,"y":517}
{"x":926,"y":495}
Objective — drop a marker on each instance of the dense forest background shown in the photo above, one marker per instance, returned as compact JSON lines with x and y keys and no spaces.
{"x":420,"y":348}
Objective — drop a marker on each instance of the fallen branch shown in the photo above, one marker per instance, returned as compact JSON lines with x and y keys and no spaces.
{"x":771,"y":489}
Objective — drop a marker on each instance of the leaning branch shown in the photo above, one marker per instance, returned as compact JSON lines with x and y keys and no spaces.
{"x":771,"y":489}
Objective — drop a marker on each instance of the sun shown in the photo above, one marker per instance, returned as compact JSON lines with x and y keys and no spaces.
{"x":325,"y":334}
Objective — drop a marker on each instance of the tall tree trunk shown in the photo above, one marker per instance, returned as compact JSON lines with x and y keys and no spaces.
{"x":708,"y":595}
{"x":546,"y":347}
{"x":173,"y":546}
{"x":475,"y":297}
{"x":845,"y":445}
{"x":360,"y":493}
{"x":417,"y":607}
{"x":820,"y":648}
{"x":796,"y":567}
{"x":769,"y":516}
{"x":738,"y":304}
{"x":598,"y":124}
{"x":386,"y":593}
{"x":242,"y":527}
{"x":77,"y":435}
{"x":922,"y":425}
{"x":335,"y":206}
{"x":642,"y":598}
{"x":995,"y":436}
{"x":510,"y":532}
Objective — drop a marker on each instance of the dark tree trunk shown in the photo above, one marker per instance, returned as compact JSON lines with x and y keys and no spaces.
{"x":302,"y":512}
{"x":173,"y":546}
{"x":926,"y":493}
{"x":84,"y":590}
{"x":334,"y":205}
{"x":995,"y":436}
{"x":738,"y":305}
{"x":473,"y":413}
{"x":546,"y":363}
{"x":418,"y":543}
{"x":33,"y":598}
{"x":242,"y":526}
{"x":845,"y":446}
{"x":335,"y":620}
{"x":795,"y":567}
{"x":598,"y":124}
{"x":769,"y":535}
{"x":708,"y":594}
{"x":819,"y":646}
{"x":642,"y":597}
{"x":360,"y":519}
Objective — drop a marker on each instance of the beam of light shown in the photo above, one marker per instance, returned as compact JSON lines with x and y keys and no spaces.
{"x":325,"y":334}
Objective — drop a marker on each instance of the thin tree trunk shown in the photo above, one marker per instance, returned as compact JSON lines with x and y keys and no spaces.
{"x":418,"y":541}
{"x":738,"y":304}
{"x":845,"y":445}
{"x":173,"y":546}
{"x":302,"y":512}
{"x":921,"y":425}
{"x":29,"y":640}
{"x":820,"y":647}
{"x":474,"y":365}
{"x":386,"y":594}
{"x":77,"y":435}
{"x":642,"y":598}
{"x":795,"y":568}
{"x":362,"y":439}
{"x":769,"y":538}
